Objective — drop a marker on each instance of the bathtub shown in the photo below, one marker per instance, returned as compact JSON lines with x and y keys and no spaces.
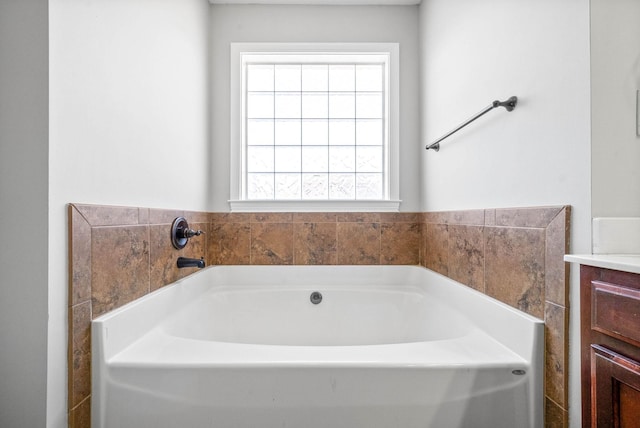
{"x":317,"y":346}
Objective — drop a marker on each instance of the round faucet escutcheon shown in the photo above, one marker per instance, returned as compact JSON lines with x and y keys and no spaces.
{"x":180,"y":233}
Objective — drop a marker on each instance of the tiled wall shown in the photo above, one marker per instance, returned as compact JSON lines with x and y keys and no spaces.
{"x":515,"y":256}
{"x":315,"y":238}
{"x":118,"y":254}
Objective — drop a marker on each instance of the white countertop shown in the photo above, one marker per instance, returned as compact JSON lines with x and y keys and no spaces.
{"x":622,"y":262}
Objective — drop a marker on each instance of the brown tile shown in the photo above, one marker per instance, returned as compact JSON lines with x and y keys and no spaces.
{"x":196,"y":217}
{"x":358,"y":217}
{"x":272,"y":243}
{"x":400,"y":243}
{"x":230,"y":244}
{"x":437,"y":217}
{"x":162,"y":256}
{"x":437,"y":248}
{"x":400,"y":217}
{"x":271,"y":217}
{"x":79,"y":257}
{"x":314,"y":243}
{"x":197,"y":245}
{"x":80,"y":353}
{"x":423,"y":244}
{"x":554,"y":415}
{"x":462,"y":217}
{"x":119,"y":266}
{"x":490,"y":217}
{"x":555,"y":321}
{"x":514,"y":267}
{"x":467,"y":217}
{"x":314,"y":217}
{"x":557,"y":271}
{"x":466,"y":255}
{"x":526,"y":217}
{"x":143,"y":215}
{"x":230,"y":217}
{"x":358,"y":243}
{"x":101,"y":215}
{"x":160,"y":216}
{"x":80,"y":416}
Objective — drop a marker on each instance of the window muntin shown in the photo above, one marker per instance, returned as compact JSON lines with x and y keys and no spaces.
{"x":315,"y":126}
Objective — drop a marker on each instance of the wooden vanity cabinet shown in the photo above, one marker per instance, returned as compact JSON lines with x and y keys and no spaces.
{"x":610,"y":347}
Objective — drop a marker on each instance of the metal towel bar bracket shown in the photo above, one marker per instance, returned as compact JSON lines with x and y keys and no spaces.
{"x":509,"y":104}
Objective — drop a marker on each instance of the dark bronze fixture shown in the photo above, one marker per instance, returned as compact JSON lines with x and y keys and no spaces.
{"x":509,"y":105}
{"x":184,"y":262}
{"x":180,"y":233}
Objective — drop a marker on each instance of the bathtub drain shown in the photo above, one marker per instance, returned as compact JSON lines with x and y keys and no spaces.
{"x":316,"y":297}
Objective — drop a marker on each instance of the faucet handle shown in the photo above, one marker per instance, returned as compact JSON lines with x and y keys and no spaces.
{"x":190,"y":233}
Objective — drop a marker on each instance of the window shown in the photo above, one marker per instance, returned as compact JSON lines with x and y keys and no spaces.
{"x":312,"y":127}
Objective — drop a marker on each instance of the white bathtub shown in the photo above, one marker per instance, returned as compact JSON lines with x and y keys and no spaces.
{"x":388,"y":346}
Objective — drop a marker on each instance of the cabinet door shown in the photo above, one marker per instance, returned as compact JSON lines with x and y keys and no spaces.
{"x":615,"y":390}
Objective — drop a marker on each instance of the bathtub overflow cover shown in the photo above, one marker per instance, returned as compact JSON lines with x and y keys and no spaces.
{"x":316,"y":297}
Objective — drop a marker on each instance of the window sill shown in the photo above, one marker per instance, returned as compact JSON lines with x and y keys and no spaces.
{"x":238,"y":206}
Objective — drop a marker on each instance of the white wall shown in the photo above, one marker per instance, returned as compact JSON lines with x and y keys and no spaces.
{"x":129,"y":125}
{"x":23,"y":210}
{"x":129,"y":101}
{"x":252,"y":23}
{"x":474,"y":52}
{"x":615,"y":78}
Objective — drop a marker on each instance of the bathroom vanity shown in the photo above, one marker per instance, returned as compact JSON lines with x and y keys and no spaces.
{"x":610,"y":339}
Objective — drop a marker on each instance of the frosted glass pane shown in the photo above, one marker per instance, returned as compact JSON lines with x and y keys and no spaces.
{"x":342,"y":78}
{"x":287,"y":159}
{"x":315,"y":159}
{"x":315,"y":105}
{"x":259,"y":132}
{"x":342,"y":186}
{"x":260,"y":186}
{"x":369,"y":78}
{"x":287,"y":77}
{"x":260,"y":77}
{"x":315,"y":78}
{"x":315,"y":186}
{"x":260,"y":159}
{"x":369,"y":159}
{"x":287,"y":105}
{"x":369,"y":105}
{"x":288,"y":186}
{"x":342,"y":132}
{"x":315,"y":132}
{"x":342,"y":159}
{"x":369,"y":132}
{"x":287,"y":132}
{"x":342,"y":105}
{"x":369,"y":186}
{"x":259,"y":105}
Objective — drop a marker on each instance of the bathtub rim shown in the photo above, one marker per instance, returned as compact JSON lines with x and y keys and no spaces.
{"x":158,"y":304}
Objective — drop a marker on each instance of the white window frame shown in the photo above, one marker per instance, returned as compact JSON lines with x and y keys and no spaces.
{"x":237,"y":150}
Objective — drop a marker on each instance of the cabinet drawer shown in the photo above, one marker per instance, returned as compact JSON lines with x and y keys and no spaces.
{"x":615,"y":311}
{"x":615,"y":389}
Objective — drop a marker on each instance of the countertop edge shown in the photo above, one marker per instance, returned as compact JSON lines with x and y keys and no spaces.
{"x":622,"y":262}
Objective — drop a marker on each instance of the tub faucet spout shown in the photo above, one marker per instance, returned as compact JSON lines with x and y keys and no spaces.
{"x":184,"y":262}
